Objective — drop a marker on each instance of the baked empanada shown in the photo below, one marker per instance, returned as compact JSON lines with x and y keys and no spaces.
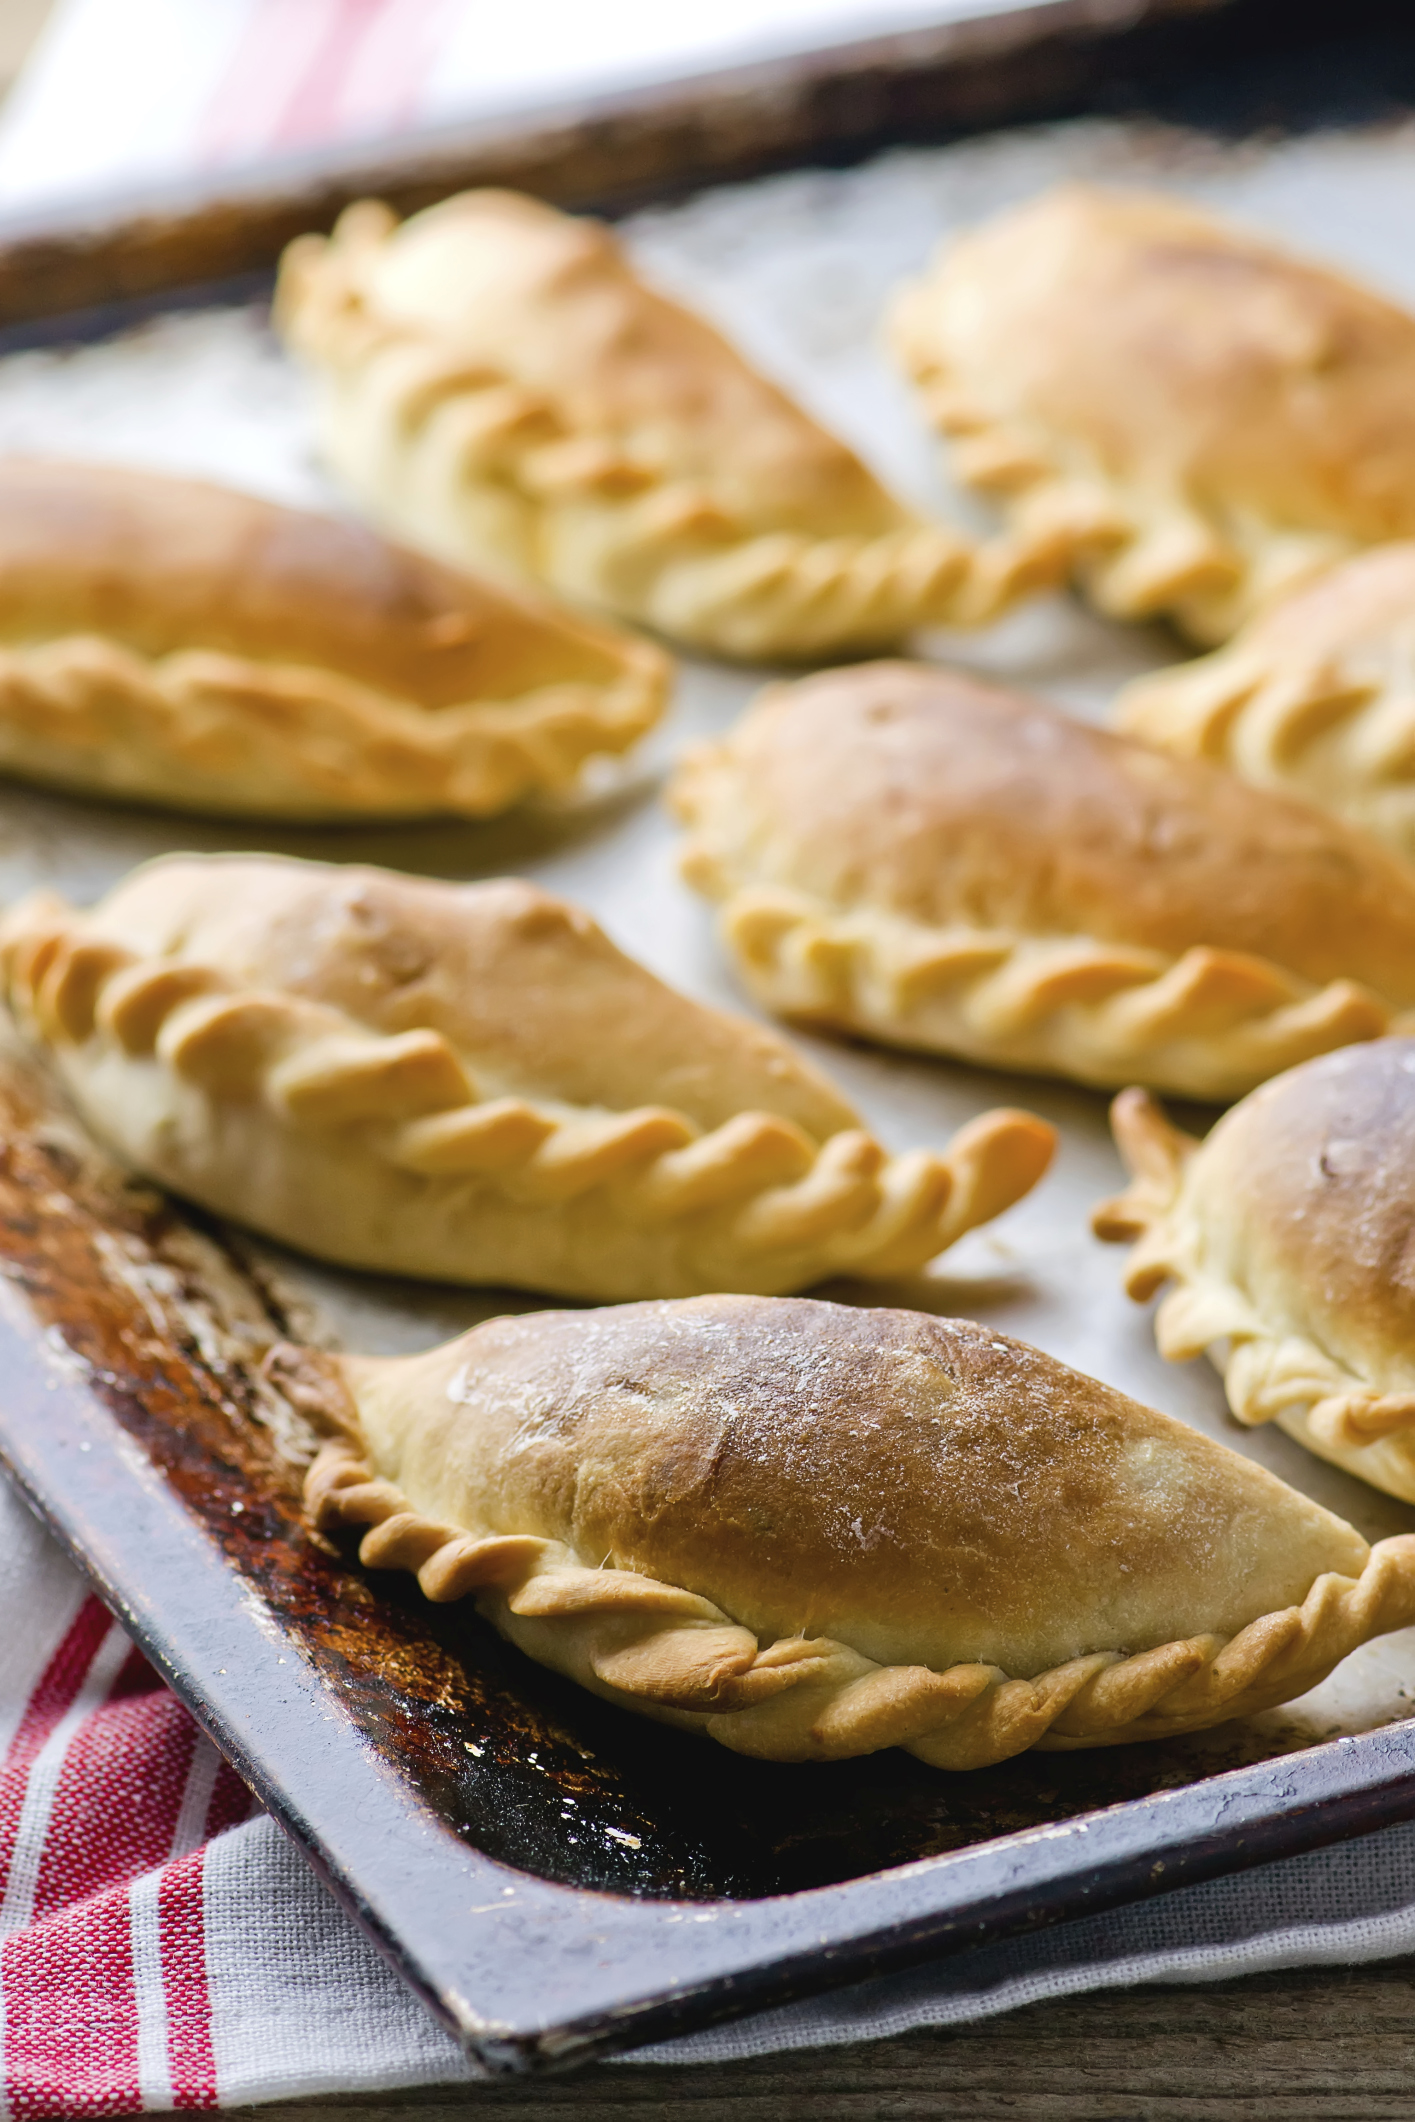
{"x":498,"y":386}
{"x":470,"y":1083}
{"x":1206,"y":418}
{"x":810,"y":1531}
{"x":1316,"y":696}
{"x":173,"y":642}
{"x":1290,"y":1236}
{"x":908,"y":854}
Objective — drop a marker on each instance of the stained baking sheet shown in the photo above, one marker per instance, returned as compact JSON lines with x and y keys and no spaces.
{"x":512,"y":1762}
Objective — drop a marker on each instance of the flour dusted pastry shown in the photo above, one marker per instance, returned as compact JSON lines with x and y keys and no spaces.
{"x":1205,"y":418}
{"x":1289,"y":1234}
{"x":909,"y":854}
{"x":810,"y":1531}
{"x":498,"y":386}
{"x":1316,"y":696}
{"x":173,"y":642}
{"x":469,"y":1082}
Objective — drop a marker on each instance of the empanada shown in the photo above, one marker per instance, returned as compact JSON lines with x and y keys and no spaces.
{"x":908,"y":854}
{"x":1290,"y":1236}
{"x":1206,"y":418}
{"x":498,"y":386}
{"x":1316,"y":696}
{"x":810,"y":1531}
{"x":471,"y":1083}
{"x":174,"y":642}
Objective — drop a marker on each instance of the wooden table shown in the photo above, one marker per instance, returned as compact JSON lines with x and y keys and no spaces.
{"x":1306,"y":2045}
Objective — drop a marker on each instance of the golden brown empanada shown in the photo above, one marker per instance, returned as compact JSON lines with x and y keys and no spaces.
{"x":1290,"y":1236}
{"x":469,"y":1082}
{"x":1316,"y":696}
{"x":498,"y":386}
{"x":173,"y":642}
{"x":1204,"y":417}
{"x":906,"y":853}
{"x":810,"y":1531}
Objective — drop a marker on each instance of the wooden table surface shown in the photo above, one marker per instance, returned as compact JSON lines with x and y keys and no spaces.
{"x":1329,"y":2044}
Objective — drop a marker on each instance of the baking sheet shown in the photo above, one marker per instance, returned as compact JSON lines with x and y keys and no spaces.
{"x":798,"y":269}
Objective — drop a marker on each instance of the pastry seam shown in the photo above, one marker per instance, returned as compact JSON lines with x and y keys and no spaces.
{"x":662,"y":1650}
{"x":754,"y":1186}
{"x":1247,"y":709}
{"x":339,"y":744}
{"x":661,"y":550}
{"x":1269,"y":1373}
{"x":1138,"y":554}
{"x":1208,"y":1022}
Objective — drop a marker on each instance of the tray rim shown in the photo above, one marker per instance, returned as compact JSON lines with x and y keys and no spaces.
{"x":609,"y":150}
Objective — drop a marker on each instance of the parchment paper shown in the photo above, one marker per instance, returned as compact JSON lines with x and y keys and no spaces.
{"x":799,"y":270}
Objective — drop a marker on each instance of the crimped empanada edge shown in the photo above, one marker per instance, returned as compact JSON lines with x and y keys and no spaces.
{"x":669,"y":1653}
{"x":1270,"y":1373}
{"x":1139,"y":552}
{"x":660,"y":550}
{"x":168,"y":728}
{"x":755,"y":1193}
{"x":1105,"y":1014}
{"x":1261,"y":715}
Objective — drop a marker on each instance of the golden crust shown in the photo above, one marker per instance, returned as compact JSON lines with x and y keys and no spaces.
{"x":1315,"y":697}
{"x":1289,"y":1234}
{"x":910,"y":854}
{"x":498,"y":387}
{"x":471,"y":1083}
{"x":1204,"y":418}
{"x":809,"y":1531}
{"x":169,"y":641}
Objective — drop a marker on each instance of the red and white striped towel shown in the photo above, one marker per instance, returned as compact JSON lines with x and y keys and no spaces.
{"x":153,"y":1949}
{"x":108,"y":1799}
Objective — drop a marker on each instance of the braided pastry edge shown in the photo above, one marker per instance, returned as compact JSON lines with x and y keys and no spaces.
{"x":755,"y":1199}
{"x":1270,"y":1373}
{"x":1208,"y":1024}
{"x":475,"y":466}
{"x":671,"y":1654}
{"x":1330,"y":729}
{"x":232,"y":735}
{"x":1137,"y":551}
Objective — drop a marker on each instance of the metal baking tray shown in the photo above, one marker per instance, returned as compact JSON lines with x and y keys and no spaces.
{"x":558,"y":1880}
